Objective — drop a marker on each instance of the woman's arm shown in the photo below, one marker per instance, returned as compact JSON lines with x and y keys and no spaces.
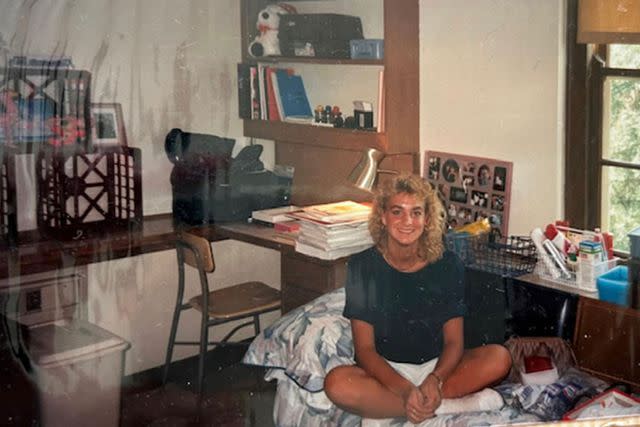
{"x":375,"y":365}
{"x":452,"y":351}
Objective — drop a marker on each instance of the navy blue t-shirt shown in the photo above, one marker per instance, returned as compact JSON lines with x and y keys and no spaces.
{"x":407,"y":310}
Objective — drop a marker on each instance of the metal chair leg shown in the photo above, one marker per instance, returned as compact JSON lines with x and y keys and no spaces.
{"x":204,"y":339}
{"x":256,"y":323}
{"x":172,"y":339}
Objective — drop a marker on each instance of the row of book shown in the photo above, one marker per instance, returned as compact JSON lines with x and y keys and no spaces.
{"x":272,"y":93}
{"x":327,"y":231}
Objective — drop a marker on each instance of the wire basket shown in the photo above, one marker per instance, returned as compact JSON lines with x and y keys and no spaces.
{"x":508,"y":256}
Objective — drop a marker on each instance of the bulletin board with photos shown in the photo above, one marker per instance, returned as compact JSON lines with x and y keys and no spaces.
{"x":471,"y":188}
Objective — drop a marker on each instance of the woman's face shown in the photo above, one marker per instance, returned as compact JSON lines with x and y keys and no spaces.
{"x":405,"y":219}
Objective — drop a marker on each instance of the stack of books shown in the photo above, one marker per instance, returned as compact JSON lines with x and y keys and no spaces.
{"x":334,"y":230}
{"x":279,"y":219}
{"x":270,"y":93}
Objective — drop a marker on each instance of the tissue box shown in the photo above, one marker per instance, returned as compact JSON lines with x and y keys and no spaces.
{"x":613,"y":286}
{"x":545,"y":377}
{"x":539,"y":370}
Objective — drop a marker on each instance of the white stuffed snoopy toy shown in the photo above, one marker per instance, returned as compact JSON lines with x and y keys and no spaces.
{"x":267,"y":43}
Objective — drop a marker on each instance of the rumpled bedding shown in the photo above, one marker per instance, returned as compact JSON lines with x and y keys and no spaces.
{"x":304,"y":345}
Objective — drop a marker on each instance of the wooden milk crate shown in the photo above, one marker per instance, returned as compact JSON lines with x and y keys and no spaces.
{"x":82,"y":195}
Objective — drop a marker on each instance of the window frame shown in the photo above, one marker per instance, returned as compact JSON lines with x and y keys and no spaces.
{"x":587,"y":71}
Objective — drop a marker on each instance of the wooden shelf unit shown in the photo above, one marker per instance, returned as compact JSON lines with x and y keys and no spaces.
{"x":311,"y":60}
{"x":343,"y":139}
{"x":312,"y":149}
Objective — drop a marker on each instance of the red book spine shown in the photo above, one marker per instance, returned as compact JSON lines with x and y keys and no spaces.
{"x":272,"y":106}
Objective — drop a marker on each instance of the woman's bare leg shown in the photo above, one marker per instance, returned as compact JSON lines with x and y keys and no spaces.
{"x":353,"y":390}
{"x":480,"y":367}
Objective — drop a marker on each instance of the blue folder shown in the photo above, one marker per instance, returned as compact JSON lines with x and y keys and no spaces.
{"x":293,"y":96}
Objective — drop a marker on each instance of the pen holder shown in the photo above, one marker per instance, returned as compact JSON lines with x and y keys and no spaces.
{"x":364,"y":119}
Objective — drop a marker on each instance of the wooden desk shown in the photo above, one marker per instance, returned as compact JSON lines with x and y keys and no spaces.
{"x":303,"y":278}
{"x":36,"y":253}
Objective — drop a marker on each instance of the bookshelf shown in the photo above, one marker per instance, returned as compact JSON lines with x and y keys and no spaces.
{"x":303,"y":60}
{"x":293,"y":133}
{"x":311,"y":149}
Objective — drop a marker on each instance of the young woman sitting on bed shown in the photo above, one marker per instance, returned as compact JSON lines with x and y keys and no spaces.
{"x":405,"y":300}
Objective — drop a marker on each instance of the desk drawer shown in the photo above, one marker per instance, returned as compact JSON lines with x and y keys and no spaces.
{"x":607,"y":340}
{"x":293,"y":297}
{"x":303,"y":279}
{"x":303,"y":273}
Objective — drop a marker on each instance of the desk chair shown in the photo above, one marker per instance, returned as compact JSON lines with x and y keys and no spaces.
{"x":249,"y":299}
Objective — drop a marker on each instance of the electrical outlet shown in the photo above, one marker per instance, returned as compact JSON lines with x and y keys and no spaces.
{"x":34,"y":300}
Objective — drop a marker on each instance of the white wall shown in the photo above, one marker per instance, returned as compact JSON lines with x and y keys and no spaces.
{"x":492,"y":74}
{"x":170,"y":63}
{"x":134,"y":298}
{"x":491,"y":85}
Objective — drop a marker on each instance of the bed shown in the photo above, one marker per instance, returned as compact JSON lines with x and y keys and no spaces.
{"x":302,"y":346}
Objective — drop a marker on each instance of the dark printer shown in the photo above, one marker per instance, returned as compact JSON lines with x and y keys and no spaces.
{"x":209,"y":186}
{"x":322,"y":35}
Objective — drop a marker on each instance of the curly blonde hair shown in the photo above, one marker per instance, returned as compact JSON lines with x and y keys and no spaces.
{"x":430,"y":245}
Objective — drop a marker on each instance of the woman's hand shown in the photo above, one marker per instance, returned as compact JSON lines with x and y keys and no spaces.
{"x":415,"y":406}
{"x":430,"y":389}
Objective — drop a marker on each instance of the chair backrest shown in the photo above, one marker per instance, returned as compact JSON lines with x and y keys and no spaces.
{"x":202,"y":247}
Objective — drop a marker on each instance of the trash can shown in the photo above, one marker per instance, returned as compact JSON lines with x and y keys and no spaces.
{"x":78,"y":369}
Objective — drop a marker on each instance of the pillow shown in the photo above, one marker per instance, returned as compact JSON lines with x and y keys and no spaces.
{"x":307,"y":342}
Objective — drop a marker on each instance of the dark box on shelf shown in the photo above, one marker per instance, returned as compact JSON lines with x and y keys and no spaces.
{"x":81,"y":195}
{"x":364,"y":119}
{"x":321,"y":35}
{"x":8,"y":207}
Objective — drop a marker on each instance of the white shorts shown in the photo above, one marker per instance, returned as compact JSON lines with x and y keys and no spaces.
{"x":414,"y":373}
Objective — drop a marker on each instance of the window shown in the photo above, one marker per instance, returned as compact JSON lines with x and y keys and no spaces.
{"x":619,"y":160}
{"x":604,"y":193}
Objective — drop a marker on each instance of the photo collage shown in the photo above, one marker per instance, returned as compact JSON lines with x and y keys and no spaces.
{"x":471,"y":188}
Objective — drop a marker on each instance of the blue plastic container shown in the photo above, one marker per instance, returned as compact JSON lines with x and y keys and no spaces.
{"x":613,"y":286}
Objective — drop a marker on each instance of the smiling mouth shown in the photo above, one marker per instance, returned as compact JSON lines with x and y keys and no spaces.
{"x":406,"y":231}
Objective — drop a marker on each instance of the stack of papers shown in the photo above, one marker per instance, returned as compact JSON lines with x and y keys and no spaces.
{"x":333,"y":230}
{"x":338,"y":212}
{"x":273,"y":215}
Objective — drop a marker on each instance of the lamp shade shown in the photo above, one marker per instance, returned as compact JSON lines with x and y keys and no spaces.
{"x":364,"y":175}
{"x":609,"y":21}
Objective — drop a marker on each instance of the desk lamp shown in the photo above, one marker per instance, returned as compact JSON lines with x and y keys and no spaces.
{"x":364,"y":175}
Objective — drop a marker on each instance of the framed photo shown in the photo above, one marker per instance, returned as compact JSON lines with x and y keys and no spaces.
{"x":43,"y":105}
{"x":107,"y":125}
{"x":472,"y":188}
